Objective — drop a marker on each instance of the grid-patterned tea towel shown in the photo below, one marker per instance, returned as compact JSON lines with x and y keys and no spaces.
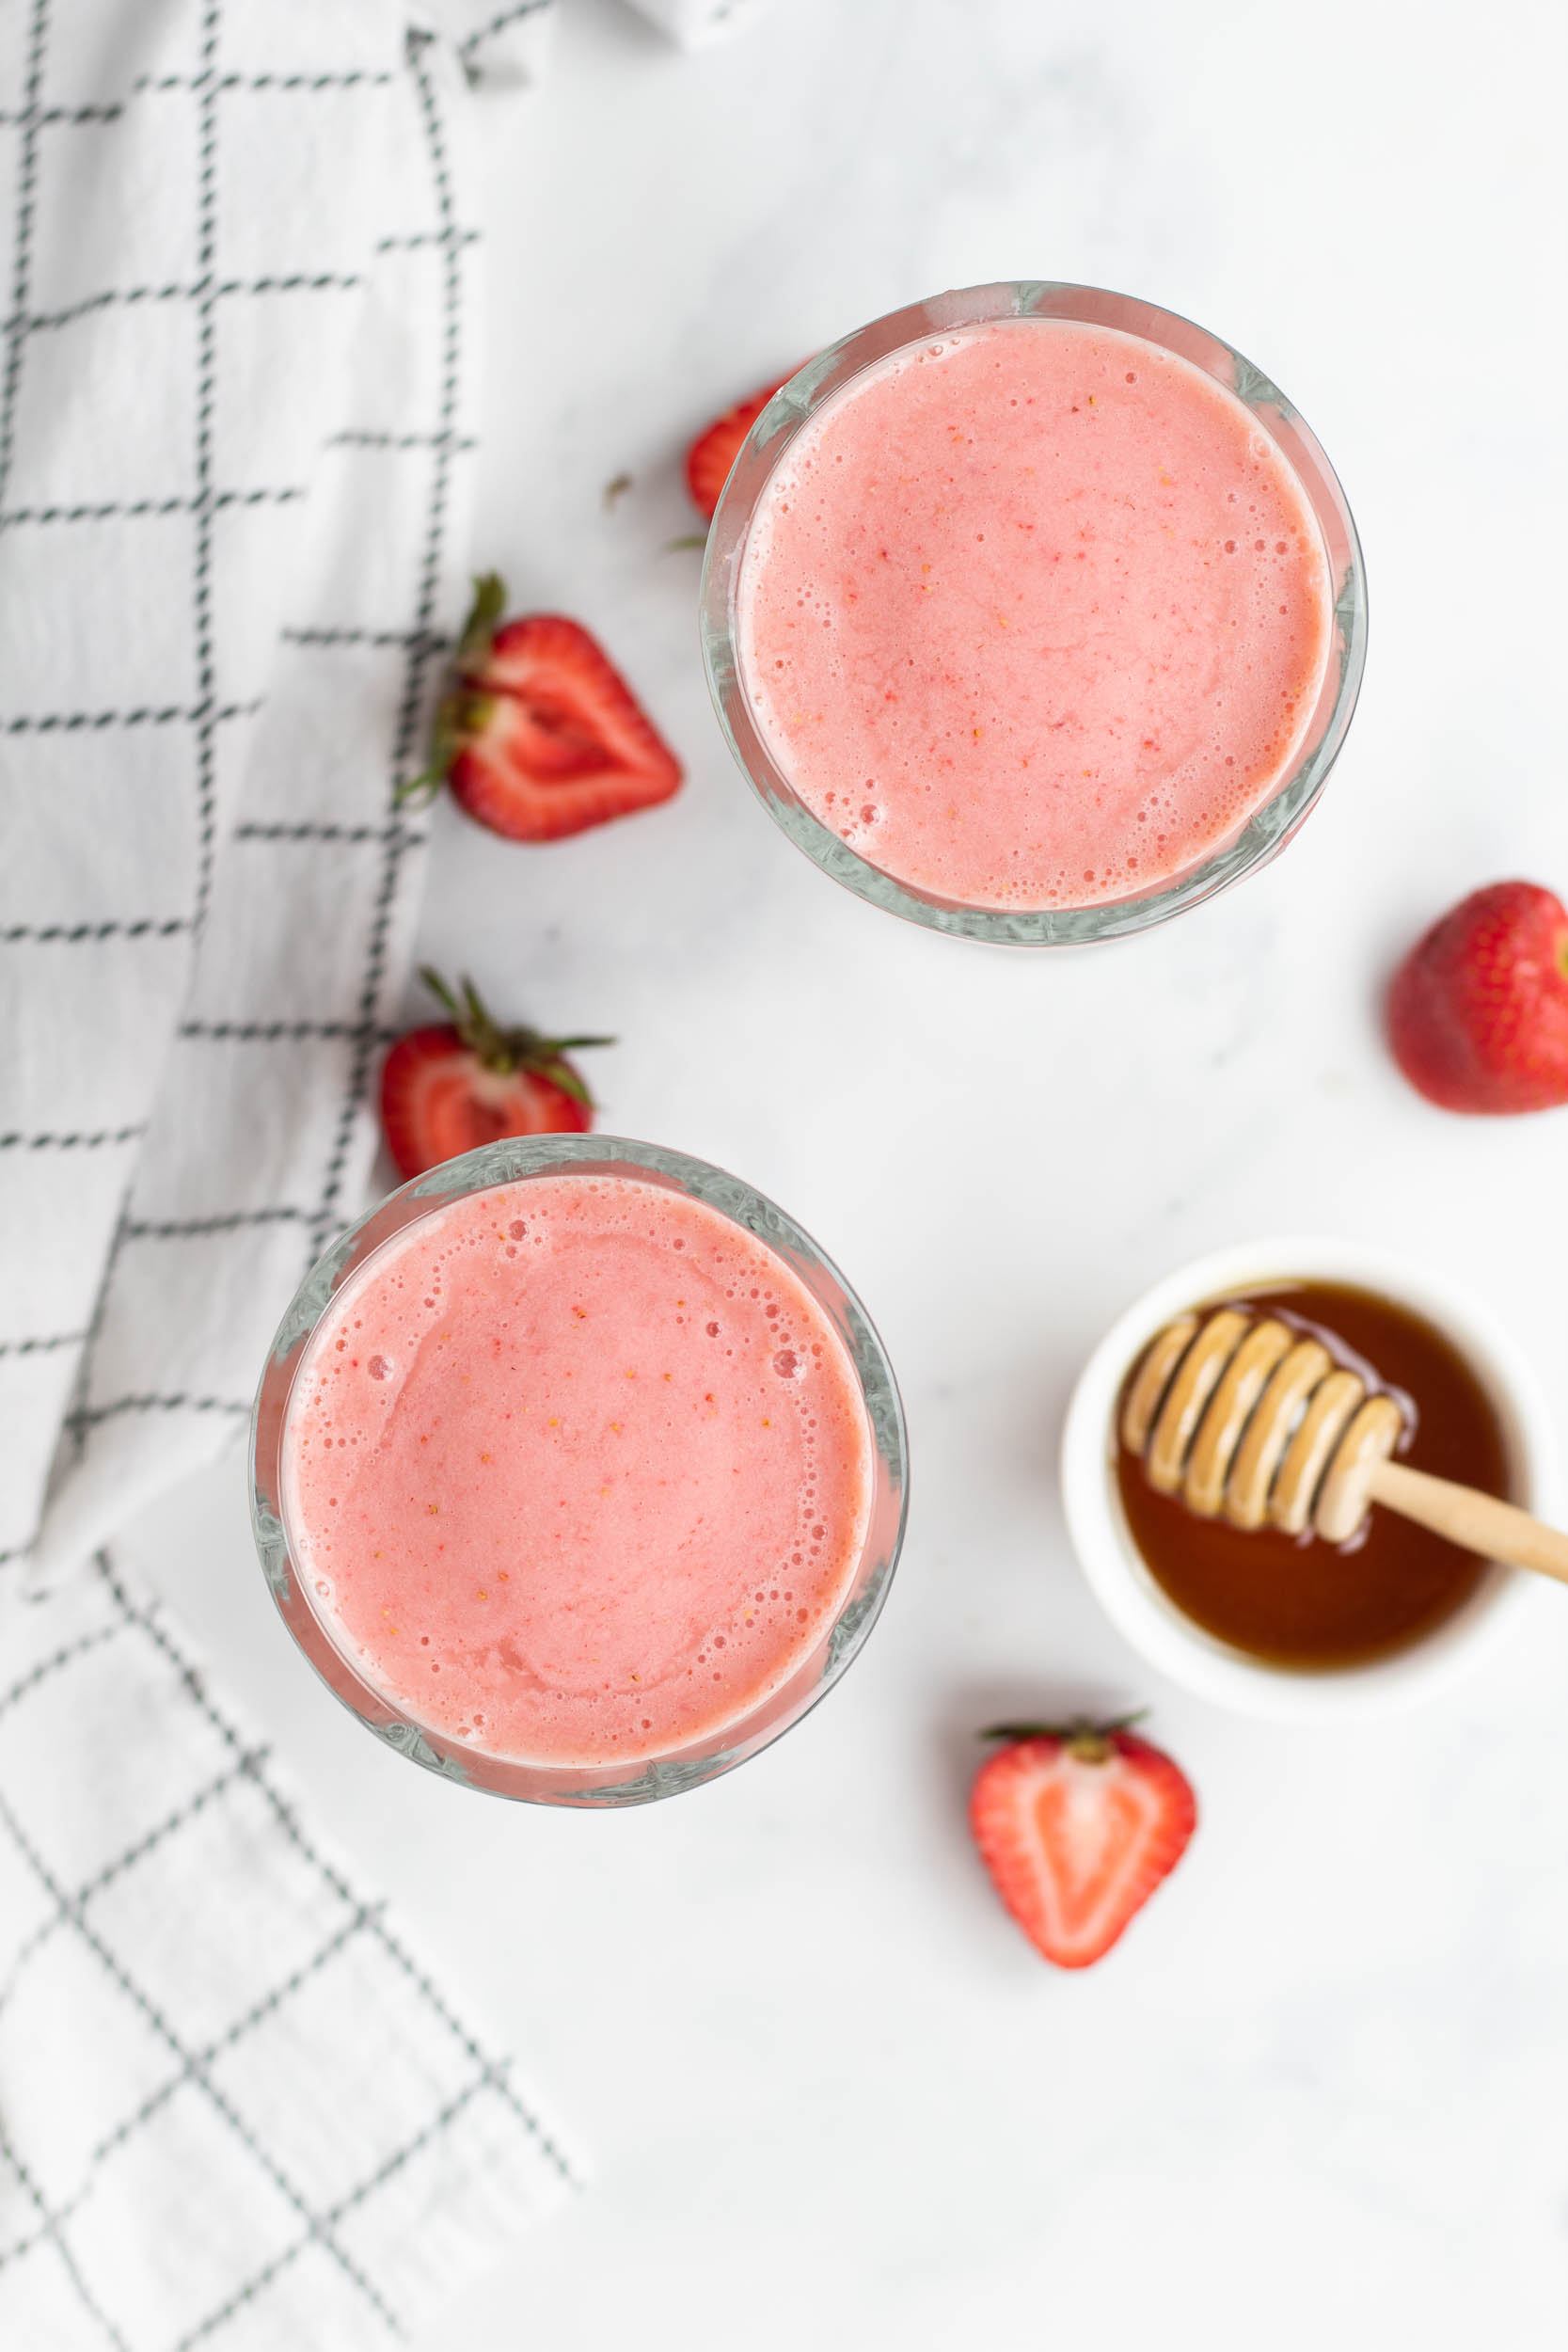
{"x":233,"y":450}
{"x":236,"y":2107}
{"x":234,"y":364}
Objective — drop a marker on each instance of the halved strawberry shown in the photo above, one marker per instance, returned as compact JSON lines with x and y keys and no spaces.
{"x":540,"y":735}
{"x":717,"y":447}
{"x":1077,"y":1825}
{"x":466,"y":1081}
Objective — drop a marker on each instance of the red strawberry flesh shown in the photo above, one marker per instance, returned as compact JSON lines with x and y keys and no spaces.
{"x":435,"y":1102}
{"x":554,"y":741}
{"x":457,"y":1084}
{"x":538,"y":735}
{"x":1077,"y":1830}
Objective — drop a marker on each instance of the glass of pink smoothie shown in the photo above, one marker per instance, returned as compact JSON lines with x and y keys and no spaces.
{"x":577,"y":1471}
{"x":1034,"y":614}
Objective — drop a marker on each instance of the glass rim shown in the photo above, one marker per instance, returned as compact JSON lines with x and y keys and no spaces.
{"x":515,"y":1160}
{"x":793,"y":406}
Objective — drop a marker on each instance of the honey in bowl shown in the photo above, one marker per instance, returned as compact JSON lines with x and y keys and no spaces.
{"x":1296,"y":1601}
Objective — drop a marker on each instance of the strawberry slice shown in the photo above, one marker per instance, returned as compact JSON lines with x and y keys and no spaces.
{"x":1077,"y":1825}
{"x":464,"y":1082}
{"x":717,"y":447}
{"x":540,"y":735}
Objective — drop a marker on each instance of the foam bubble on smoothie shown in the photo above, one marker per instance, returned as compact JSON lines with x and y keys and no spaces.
{"x":1055,"y":592}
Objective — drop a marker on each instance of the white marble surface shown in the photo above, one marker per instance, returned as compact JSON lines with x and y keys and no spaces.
{"x":827,"y":2093}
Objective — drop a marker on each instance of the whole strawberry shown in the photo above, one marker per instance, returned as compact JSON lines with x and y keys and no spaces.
{"x":466,"y":1081}
{"x":1477,"y":1013}
{"x":539,"y":736}
{"x":1078,"y":1823}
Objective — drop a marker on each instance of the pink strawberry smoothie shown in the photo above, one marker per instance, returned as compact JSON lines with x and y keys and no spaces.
{"x":1034,"y":614}
{"x":577,"y":1470}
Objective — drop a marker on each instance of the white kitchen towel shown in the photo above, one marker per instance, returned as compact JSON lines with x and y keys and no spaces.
{"x":233,"y":456}
{"x":693,"y":23}
{"x":236,"y":2108}
{"x":235,"y":372}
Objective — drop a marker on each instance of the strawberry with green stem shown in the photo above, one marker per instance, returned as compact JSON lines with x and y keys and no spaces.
{"x":466,"y":1081}
{"x":538,"y":735}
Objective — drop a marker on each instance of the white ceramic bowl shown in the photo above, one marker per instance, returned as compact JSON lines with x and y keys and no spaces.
{"x":1168,"y":1639}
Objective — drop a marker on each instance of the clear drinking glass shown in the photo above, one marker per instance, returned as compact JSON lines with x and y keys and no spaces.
{"x":1270,"y":827}
{"x":515,"y":1161}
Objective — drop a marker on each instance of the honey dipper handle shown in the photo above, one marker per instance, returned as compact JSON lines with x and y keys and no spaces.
{"x":1498,"y":1531}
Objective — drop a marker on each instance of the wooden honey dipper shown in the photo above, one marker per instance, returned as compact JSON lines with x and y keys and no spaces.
{"x":1245,"y":1418}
